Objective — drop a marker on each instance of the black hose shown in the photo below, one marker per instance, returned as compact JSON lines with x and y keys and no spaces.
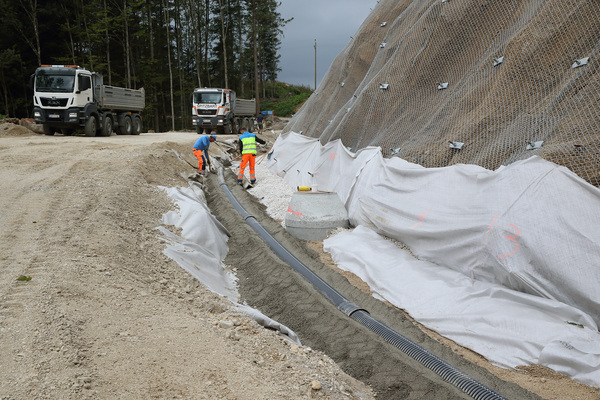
{"x":446,"y":371}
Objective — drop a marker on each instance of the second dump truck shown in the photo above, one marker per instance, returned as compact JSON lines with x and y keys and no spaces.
{"x":220,"y":110}
{"x":68,"y":97}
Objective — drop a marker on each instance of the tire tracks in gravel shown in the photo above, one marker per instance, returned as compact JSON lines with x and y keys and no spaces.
{"x":273,"y":287}
{"x":28,"y":359}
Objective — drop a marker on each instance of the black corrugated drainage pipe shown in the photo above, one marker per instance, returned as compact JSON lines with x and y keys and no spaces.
{"x":446,"y":371}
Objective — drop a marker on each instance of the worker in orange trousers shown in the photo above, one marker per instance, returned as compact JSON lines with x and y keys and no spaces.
{"x":201,"y":151}
{"x":247,"y":143}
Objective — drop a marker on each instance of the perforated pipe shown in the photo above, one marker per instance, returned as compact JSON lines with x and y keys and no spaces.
{"x":446,"y":371}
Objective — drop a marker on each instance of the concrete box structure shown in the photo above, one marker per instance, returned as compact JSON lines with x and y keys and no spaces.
{"x":314,"y":215}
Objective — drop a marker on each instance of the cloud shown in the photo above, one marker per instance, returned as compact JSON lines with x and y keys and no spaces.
{"x":330,"y":22}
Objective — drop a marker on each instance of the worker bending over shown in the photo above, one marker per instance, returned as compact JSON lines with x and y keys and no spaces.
{"x":247,"y":142}
{"x":201,"y":151}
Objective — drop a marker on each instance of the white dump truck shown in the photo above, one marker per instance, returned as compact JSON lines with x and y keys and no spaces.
{"x":220,"y":110}
{"x":68,"y":97}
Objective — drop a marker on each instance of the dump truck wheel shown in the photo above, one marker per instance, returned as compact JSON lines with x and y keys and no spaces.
{"x":91,"y":125}
{"x":198,"y":130}
{"x":107,"y":127}
{"x":48,"y":130}
{"x":137,"y":125}
{"x":126,"y":127}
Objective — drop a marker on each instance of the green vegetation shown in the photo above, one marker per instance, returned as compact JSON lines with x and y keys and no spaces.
{"x":284,"y":99}
{"x":24,"y":278}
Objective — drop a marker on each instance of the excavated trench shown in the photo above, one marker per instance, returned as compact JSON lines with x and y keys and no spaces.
{"x":272,"y":286}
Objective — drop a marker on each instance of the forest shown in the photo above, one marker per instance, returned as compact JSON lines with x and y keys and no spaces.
{"x":168,"y":47}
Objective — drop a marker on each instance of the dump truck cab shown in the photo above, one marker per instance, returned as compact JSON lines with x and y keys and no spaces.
{"x":220,"y":110}
{"x":63,"y":95}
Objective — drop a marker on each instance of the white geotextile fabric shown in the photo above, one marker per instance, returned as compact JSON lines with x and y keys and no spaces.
{"x":509,"y":328}
{"x":201,"y":247}
{"x":524,"y":238}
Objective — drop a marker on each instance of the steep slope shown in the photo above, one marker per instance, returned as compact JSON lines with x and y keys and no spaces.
{"x":512,"y":75}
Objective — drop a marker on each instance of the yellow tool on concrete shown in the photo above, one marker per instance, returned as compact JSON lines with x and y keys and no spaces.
{"x":304,"y":188}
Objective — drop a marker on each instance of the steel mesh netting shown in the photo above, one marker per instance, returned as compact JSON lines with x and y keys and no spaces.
{"x":513,"y":81}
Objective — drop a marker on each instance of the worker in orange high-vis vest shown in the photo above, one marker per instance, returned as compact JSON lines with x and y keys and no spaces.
{"x":247,"y":142}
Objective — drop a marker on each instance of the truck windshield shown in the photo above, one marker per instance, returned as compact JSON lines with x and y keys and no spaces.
{"x":213,"y":97}
{"x":54,"y":83}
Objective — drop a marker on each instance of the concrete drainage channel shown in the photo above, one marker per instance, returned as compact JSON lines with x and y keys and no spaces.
{"x":446,"y":371}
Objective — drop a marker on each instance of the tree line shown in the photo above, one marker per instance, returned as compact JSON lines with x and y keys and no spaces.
{"x":169,"y":47}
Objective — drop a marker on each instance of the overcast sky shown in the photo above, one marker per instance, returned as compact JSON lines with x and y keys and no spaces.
{"x":330,"y":22}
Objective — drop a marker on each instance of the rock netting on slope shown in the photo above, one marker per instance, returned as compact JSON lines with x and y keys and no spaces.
{"x":495,"y":76}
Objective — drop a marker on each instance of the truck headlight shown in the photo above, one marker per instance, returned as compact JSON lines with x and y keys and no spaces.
{"x":220,"y":121}
{"x":37,"y":114}
{"x":73,"y":115}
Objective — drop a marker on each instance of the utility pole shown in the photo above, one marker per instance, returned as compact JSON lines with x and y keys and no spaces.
{"x":315,"y":64}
